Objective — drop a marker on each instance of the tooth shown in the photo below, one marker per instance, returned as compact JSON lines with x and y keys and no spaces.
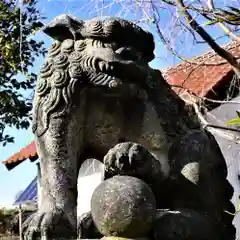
{"x":106,"y":66}
{"x":102,"y":66}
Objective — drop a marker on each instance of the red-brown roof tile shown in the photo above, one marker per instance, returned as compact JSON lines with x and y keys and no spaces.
{"x":29,"y":151}
{"x":192,"y":75}
{"x":198,"y":75}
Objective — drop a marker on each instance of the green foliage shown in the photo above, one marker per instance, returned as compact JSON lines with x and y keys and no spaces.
{"x":18,"y":51}
{"x":235,"y":120}
{"x":6,"y":218}
{"x":9,"y":219}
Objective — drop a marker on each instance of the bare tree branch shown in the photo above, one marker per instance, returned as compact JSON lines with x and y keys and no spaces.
{"x":205,"y":98}
{"x":220,"y":131}
{"x":189,"y":7}
{"x":156,"y":19}
{"x":220,"y":51}
{"x":225,"y":28}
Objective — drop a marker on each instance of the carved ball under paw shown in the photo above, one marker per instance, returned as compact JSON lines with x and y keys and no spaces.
{"x":53,"y":224}
{"x":123,"y":206}
{"x":129,"y":158}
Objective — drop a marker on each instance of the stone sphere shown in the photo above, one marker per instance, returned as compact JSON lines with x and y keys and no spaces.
{"x":123,"y":206}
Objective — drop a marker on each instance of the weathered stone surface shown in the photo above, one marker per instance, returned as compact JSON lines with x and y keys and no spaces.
{"x":203,"y":194}
{"x":130,"y":158}
{"x":92,"y":80}
{"x":121,"y":238}
{"x":181,"y":225}
{"x":123,"y":206}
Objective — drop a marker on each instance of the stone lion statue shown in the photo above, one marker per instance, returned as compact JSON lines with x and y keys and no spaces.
{"x":96,"y":90}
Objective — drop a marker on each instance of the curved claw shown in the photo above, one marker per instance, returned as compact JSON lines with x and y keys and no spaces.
{"x":129,"y":158}
{"x":27,"y":222}
{"x":32,"y":230}
{"x":48,"y":224}
{"x":126,"y":158}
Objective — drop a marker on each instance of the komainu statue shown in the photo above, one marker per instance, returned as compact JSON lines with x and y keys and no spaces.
{"x":97,"y":97}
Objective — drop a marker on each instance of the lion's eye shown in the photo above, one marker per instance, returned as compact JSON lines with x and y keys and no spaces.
{"x":128,"y":53}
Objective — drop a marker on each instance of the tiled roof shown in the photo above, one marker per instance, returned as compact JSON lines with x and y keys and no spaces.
{"x":192,"y":75}
{"x":29,"y":152}
{"x":201,"y":74}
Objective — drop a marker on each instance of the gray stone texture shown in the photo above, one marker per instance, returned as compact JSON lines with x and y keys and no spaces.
{"x":95,"y":91}
{"x":181,"y":224}
{"x":123,"y":206}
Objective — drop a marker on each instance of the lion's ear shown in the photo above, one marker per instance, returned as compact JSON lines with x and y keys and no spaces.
{"x":63,"y":27}
{"x":59,"y":33}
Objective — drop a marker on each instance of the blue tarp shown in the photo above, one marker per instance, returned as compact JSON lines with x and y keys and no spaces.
{"x":29,"y":194}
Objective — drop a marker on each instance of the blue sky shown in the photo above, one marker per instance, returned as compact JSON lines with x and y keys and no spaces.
{"x":11,"y":182}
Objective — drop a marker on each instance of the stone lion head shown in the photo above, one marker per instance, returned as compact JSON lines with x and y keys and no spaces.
{"x":91,"y":53}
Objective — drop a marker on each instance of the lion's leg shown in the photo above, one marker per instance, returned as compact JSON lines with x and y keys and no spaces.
{"x":58,"y":150}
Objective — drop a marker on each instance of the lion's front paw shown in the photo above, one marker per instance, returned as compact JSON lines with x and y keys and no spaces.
{"x":129,"y":158}
{"x":53,"y":224}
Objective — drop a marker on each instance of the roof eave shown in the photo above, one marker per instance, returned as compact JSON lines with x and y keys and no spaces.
{"x":12,"y":165}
